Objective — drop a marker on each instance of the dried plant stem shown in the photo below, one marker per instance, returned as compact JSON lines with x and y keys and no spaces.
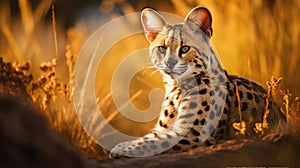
{"x":54,"y":30}
{"x":240,"y":126}
{"x":70,"y":63}
{"x":239,"y":101}
{"x":260,"y":128}
{"x":286,"y":101}
{"x":267,"y":112}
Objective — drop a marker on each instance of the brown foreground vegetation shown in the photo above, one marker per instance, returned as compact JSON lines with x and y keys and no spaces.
{"x":27,"y":141}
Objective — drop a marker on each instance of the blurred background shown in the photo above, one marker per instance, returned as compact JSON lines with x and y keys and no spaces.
{"x":256,"y":39}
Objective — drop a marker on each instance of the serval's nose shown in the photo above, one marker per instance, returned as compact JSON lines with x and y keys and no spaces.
{"x":171,"y":62}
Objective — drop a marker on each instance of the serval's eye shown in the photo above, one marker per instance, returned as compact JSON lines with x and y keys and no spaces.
{"x":162,"y":49}
{"x":184,"y":49}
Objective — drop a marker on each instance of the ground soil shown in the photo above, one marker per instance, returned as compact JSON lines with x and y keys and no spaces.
{"x":272,"y":151}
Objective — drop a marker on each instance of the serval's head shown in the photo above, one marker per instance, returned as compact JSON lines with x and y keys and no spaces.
{"x":179,"y":50}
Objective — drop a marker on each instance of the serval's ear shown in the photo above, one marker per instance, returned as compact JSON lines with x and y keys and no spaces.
{"x":153,"y":23}
{"x":201,"y":17}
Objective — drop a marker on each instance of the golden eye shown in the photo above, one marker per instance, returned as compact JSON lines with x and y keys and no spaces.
{"x":184,"y":49}
{"x":162,"y":49}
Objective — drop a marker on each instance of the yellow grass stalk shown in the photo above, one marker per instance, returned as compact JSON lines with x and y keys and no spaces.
{"x":27,"y":16}
{"x":12,"y":42}
{"x":42,"y":9}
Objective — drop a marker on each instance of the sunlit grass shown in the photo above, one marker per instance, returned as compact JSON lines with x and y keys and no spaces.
{"x":256,"y":39}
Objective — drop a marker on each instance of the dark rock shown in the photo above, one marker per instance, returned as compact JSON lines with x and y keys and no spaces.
{"x":26,"y":140}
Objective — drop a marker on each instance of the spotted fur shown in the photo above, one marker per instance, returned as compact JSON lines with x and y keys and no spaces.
{"x":202,"y":101}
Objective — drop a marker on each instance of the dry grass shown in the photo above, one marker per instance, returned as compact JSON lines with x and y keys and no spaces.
{"x":261,"y":128}
{"x":256,"y":39}
{"x":291,"y":108}
{"x":52,"y":98}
